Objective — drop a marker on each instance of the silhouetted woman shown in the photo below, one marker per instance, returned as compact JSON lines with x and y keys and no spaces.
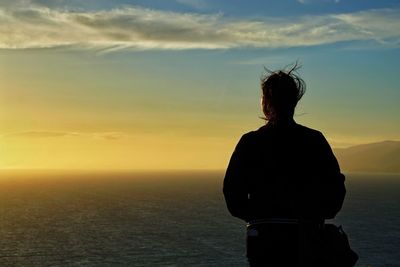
{"x":283,"y":180}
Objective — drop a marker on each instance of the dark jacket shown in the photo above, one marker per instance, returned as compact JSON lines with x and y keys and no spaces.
{"x":283,"y":172}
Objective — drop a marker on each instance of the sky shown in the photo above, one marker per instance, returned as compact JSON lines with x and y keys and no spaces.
{"x":173,"y":84}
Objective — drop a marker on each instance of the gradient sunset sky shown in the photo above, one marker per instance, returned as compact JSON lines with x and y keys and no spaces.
{"x":173,"y":84}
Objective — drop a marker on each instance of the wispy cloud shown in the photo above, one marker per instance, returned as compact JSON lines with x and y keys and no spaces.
{"x":51,"y":134}
{"x":38,"y":134}
{"x":109,"y":135}
{"x":136,"y":27}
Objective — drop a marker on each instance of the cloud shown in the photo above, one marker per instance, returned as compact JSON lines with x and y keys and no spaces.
{"x":141,"y":28}
{"x":109,"y":135}
{"x":38,"y":134}
{"x":51,"y":134}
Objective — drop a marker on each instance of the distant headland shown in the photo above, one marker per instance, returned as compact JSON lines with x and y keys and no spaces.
{"x":380,"y":157}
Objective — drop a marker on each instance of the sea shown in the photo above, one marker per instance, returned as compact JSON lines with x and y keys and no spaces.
{"x":168,"y":218}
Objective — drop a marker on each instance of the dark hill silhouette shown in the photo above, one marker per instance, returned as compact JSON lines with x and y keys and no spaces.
{"x":381,"y":157}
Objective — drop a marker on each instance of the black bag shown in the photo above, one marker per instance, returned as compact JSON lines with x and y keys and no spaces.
{"x":336,"y":251}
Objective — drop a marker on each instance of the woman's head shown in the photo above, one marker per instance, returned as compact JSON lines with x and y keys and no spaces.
{"x":281,"y":90}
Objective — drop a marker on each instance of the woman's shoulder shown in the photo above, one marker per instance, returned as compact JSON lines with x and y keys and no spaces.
{"x":297,"y":131}
{"x":248,"y":140}
{"x":309,"y":131}
{"x":248,"y":137}
{"x":296,"y":128}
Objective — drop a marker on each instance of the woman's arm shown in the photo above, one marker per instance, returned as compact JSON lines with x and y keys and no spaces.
{"x":235,"y":186}
{"x":331,"y":181}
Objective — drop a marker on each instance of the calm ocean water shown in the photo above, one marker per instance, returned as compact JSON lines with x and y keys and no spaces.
{"x":163,"y":219}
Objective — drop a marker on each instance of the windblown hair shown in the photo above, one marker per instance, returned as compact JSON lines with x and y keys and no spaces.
{"x":281,"y":89}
